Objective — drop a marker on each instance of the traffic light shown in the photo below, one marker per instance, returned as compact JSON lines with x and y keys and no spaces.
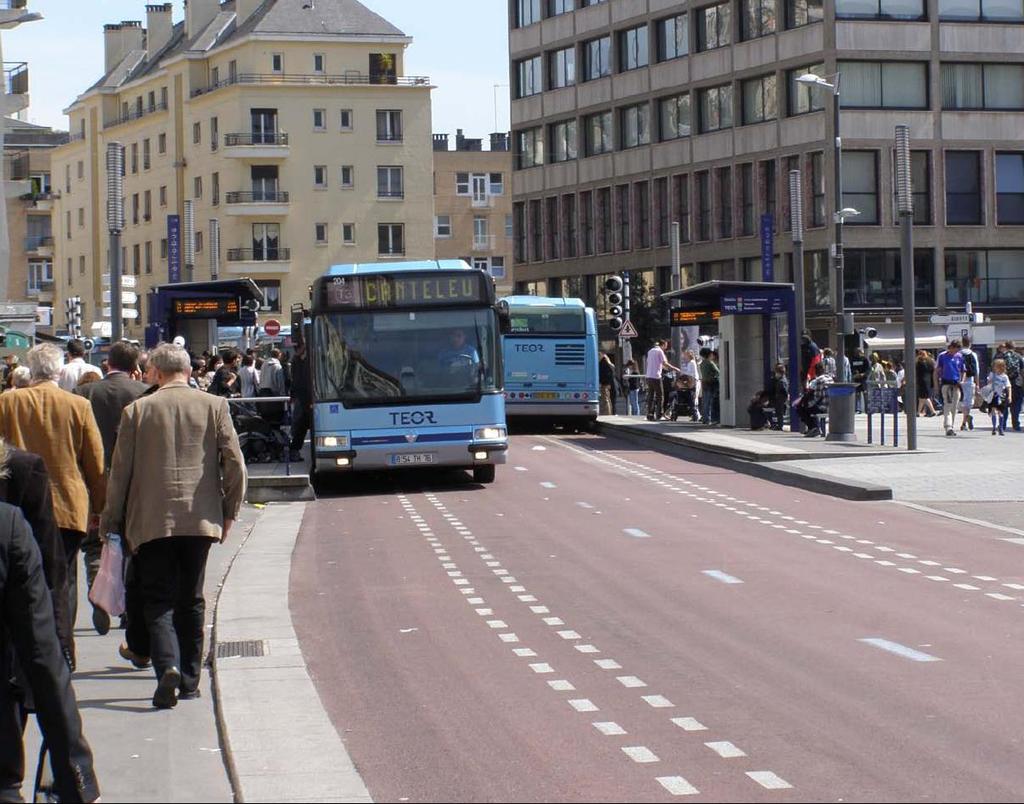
{"x":613,"y":294}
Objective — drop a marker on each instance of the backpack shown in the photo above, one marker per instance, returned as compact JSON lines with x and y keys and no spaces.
{"x":971,"y":365}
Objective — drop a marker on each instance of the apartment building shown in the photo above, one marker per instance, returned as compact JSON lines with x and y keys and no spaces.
{"x":27,"y":153}
{"x":473,"y":204}
{"x":629,"y":115}
{"x":275,"y":137}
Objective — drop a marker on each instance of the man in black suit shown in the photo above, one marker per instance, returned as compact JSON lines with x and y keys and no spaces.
{"x":109,"y":398}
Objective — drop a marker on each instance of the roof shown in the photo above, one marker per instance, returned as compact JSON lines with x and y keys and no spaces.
{"x":283,"y":17}
{"x":717,"y":289}
{"x":543,"y":301}
{"x":226,"y":287}
{"x":398,"y":267}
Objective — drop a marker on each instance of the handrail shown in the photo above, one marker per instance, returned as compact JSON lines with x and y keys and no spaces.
{"x":348,"y":79}
{"x":276,"y":138}
{"x":268,"y":255}
{"x":135,"y":114}
{"x":260,"y":197}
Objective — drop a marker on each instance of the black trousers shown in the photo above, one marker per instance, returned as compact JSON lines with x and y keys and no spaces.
{"x":72,"y":540}
{"x":301,"y":416}
{"x":171,"y":573}
{"x":136,"y":632}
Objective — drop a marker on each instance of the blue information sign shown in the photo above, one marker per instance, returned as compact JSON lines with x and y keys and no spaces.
{"x":752,"y":304}
{"x":173,"y":249}
{"x":767,"y":248}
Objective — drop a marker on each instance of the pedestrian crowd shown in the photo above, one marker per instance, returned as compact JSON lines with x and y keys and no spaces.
{"x":132,"y":454}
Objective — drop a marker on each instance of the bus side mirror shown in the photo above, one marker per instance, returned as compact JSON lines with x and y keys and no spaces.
{"x":504,"y":317}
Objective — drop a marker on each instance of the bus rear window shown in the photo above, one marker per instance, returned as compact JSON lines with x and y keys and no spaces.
{"x":544,"y":321}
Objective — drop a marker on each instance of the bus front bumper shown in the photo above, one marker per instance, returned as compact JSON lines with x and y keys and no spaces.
{"x":561,"y":410}
{"x":461,"y":456}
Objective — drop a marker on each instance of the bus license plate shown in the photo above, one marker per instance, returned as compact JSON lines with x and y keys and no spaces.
{"x":412,"y":459}
{"x":545,"y":395}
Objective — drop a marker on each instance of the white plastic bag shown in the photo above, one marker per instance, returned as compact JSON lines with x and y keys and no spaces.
{"x":107,"y":590}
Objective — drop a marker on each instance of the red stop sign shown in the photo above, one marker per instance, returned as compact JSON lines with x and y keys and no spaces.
{"x":272,"y":328}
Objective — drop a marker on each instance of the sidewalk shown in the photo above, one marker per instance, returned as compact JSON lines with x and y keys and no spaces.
{"x":142,"y":754}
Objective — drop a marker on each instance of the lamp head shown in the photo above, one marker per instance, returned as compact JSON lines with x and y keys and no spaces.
{"x":849,"y":212}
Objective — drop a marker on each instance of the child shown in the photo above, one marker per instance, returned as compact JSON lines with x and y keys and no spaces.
{"x":1001,"y":396}
{"x":778,"y":392}
{"x":681,"y":398}
{"x":757,"y":410}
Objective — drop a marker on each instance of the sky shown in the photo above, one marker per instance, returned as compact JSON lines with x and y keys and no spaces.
{"x":465,"y":56}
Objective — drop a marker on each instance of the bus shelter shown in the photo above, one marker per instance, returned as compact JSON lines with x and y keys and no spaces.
{"x":756,"y":326}
{"x":195,"y":311}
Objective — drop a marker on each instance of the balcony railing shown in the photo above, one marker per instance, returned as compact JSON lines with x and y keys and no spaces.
{"x":36,"y":242}
{"x":484,"y":242}
{"x":276,"y":138}
{"x":390,"y":194}
{"x":16,"y":165}
{"x":257,"y":197}
{"x":135,"y":114}
{"x":259,"y":255}
{"x":283,"y":79}
{"x":16,"y":77}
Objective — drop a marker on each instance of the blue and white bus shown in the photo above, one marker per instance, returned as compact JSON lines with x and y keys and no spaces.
{"x":550,"y":348}
{"x":406,"y":367}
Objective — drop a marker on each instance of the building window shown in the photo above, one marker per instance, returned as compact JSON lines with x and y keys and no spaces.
{"x":146,"y":155}
{"x":562,"y":68}
{"x":984,"y":276}
{"x":135,"y":209}
{"x":642,"y":205}
{"x":874,"y":278}
{"x":391,"y":239}
{"x":528,"y":77}
{"x":558,"y":7}
{"x":81,"y":172}
{"x":530,"y":147}
{"x":498,"y":267}
{"x":320,"y":177}
{"x":634,"y":51}
{"x":550,"y":228}
{"x":963,"y":188}
{"x":509,"y":227}
{"x":673,"y":37}
{"x":519,"y":227}
{"x":462,"y":184}
{"x":569,"y":226}
{"x":40,"y":274}
{"x":586,"y":223}
{"x":161,"y":144}
{"x":348,"y":174}
{"x":497,"y":184}
{"x":81,"y":264}
{"x":214,"y":133}
{"x":724,"y":202}
{"x":704,"y":205}
{"x":320,"y":233}
{"x":149,"y":256}
{"x":789,"y":164}
{"x":199,"y":242}
{"x":880,"y":9}
{"x":348,"y":234}
{"x":214,"y":189}
{"x":884,"y":85}
{"x":622,"y":217}
{"x":803,"y":12}
{"x":600,"y":139}
{"x":715,"y":108}
{"x":817,"y":189}
{"x":597,"y":58}
{"x":804,"y":98}
{"x":635,"y":125}
{"x":389,"y":125}
{"x":714,"y":26}
{"x":81,"y":217}
{"x":163,"y":248}
{"x":147,"y":205}
{"x":760,"y":99}
{"x":758,"y":18}
{"x":681,"y":197}
{"x":443,"y":227}
{"x":563,"y":141}
{"x":860,"y":186}
{"x":921,"y":181}
{"x":346,"y":119}
{"x":977,"y":10}
{"x":197,"y":187}
{"x":604,"y":220}
{"x":271,"y":289}
{"x":390,"y":182}
{"x":747,"y":204}
{"x":135,"y":157}
{"x":137,"y":257}
{"x":319,"y":63}
{"x":675,"y":117}
{"x":527,"y":12}
{"x":319,"y":120}
{"x":1010,"y":188}
{"x":277,"y":63}
{"x":983,"y":86}
{"x":197,"y":133}
{"x":661,"y":212}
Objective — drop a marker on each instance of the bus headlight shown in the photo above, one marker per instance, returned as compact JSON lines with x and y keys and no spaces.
{"x":490,"y":434}
{"x":332,"y":442}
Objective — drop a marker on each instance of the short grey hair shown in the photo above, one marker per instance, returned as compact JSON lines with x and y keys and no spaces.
{"x":21,"y":377}
{"x":168,"y":358}
{"x":45,"y":361}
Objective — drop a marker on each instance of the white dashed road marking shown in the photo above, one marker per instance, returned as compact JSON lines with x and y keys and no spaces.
{"x":725,"y":749}
{"x":630,"y":682}
{"x":677,"y":786}
{"x":718,"y":575}
{"x":640,"y":753}
{"x":658,"y":701}
{"x":636,"y":533}
{"x":608,"y":664}
{"x":583,"y":705}
{"x":689,"y":724}
{"x":609,"y":729}
{"x":900,"y":650}
{"x":769,"y":780}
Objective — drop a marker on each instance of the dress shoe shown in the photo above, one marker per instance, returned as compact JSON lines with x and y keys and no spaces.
{"x":166,"y":695}
{"x":100,"y":621}
{"x":138,"y":662}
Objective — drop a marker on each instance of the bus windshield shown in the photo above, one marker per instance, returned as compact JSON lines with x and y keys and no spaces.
{"x":548,"y":321}
{"x":384,"y":358}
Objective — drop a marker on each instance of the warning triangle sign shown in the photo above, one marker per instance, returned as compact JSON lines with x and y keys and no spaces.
{"x":628,"y":331}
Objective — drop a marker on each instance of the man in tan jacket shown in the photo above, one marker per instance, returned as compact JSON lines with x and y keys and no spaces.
{"x":176,"y":485}
{"x":60,"y":428}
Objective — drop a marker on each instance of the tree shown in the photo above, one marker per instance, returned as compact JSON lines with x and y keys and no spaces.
{"x":649,"y":314}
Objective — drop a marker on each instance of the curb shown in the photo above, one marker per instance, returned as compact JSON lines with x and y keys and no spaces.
{"x":782,"y":472}
{"x":279,"y":744}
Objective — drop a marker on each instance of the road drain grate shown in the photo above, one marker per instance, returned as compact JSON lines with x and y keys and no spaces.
{"x":246,"y":649}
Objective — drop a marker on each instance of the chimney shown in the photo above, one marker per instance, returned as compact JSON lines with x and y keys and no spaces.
{"x":159,"y":28}
{"x":440,"y":142}
{"x":460,"y":140}
{"x":499,"y":142}
{"x":113,"y":46}
{"x":198,"y":15}
{"x":133,"y":37}
{"x":245,"y":9}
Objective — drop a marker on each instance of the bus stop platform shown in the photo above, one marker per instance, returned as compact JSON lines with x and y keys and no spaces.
{"x":280,"y":482}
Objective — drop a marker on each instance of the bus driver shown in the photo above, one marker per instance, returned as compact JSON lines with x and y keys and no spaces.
{"x":459,"y":355}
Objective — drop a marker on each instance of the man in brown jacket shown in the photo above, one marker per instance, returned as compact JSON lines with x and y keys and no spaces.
{"x":60,"y":428}
{"x":176,"y":485}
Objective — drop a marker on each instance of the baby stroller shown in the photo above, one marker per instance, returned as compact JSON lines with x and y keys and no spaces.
{"x":682,"y":402}
{"x":260,"y":440}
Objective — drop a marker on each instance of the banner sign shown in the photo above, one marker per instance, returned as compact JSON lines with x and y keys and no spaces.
{"x":173,"y":249}
{"x":767,"y":248}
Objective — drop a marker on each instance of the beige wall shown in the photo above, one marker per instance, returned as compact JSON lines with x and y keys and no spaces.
{"x":18,"y":212}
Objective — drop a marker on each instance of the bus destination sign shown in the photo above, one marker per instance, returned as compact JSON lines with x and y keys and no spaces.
{"x":392,"y":291}
{"x":694,"y":318}
{"x":205,"y":308}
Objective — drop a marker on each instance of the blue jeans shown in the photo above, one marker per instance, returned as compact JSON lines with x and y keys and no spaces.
{"x":634,"y":402}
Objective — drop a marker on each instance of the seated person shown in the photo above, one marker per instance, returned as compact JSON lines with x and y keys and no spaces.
{"x":459,"y":355}
{"x":814,"y":402}
{"x":760,"y":411}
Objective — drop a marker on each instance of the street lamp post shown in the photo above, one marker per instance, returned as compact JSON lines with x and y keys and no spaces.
{"x":841,"y":400}
{"x":796,"y":215}
{"x":905,"y":206}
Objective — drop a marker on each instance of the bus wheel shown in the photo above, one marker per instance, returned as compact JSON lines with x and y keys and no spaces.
{"x":484,"y":474}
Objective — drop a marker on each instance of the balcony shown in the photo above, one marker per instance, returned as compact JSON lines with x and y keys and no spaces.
{"x":353,"y":78}
{"x":257,"y":202}
{"x":390,"y":195}
{"x":256,"y":146}
{"x":484,"y":242}
{"x":135,"y":114}
{"x":16,"y":77}
{"x":39,"y":245}
{"x":483,"y":202}
{"x":259,"y":261}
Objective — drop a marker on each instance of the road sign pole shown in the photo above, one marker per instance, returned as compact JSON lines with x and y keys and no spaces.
{"x":627,"y":344}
